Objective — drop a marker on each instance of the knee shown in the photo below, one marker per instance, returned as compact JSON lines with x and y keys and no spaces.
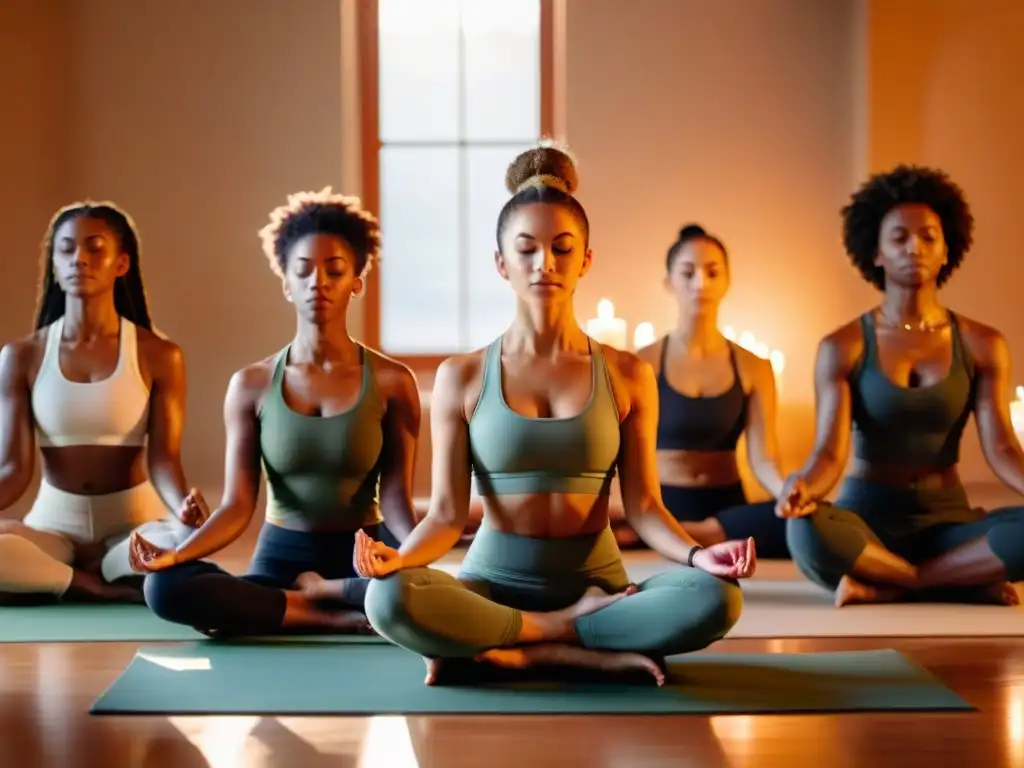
{"x":713,"y":606}
{"x":168,"y":592}
{"x":386,"y":604}
{"x":1007,"y":544}
{"x":814,"y":552}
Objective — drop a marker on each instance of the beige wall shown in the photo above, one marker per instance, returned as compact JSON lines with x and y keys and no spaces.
{"x":198,"y":117}
{"x":753,"y":118}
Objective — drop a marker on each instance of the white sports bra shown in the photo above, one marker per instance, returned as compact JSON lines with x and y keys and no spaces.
{"x":114,"y":411}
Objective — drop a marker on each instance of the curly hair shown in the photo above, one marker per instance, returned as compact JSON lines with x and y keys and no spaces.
{"x":905,"y":184}
{"x":321,"y":213}
{"x":129,"y":290}
{"x":543,"y":174}
{"x":688,"y":234}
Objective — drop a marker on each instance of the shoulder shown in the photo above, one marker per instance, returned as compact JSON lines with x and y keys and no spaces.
{"x":841,"y":347}
{"x":628,"y":369}
{"x":395,"y":379}
{"x":986,"y":344}
{"x":753,"y":369}
{"x":460,"y":372}
{"x":652,"y":352}
{"x":19,"y":357}
{"x":248,"y":384}
{"x":158,"y":352}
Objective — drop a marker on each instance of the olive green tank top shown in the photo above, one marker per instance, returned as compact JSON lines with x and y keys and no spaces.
{"x":323,"y":469}
{"x":513,"y":454}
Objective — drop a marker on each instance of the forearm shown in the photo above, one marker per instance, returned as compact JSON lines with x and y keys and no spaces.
{"x":13,"y":484}
{"x":821,"y":473}
{"x":1007,"y":464}
{"x":400,"y":518}
{"x":168,"y":478}
{"x":661,"y":532}
{"x":224,"y":526}
{"x":429,"y":541}
{"x":769,"y":475}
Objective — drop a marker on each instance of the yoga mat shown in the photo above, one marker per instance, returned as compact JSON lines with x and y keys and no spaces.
{"x":377,"y":679}
{"x":93,"y":623}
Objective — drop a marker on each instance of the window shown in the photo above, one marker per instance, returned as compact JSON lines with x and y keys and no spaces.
{"x":452,"y":91}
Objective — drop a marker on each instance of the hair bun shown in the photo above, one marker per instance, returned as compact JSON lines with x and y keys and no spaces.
{"x":545,"y":165}
{"x":692,"y":230}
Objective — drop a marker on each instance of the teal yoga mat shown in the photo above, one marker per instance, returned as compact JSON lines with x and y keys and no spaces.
{"x":375,"y":679}
{"x":93,"y":623}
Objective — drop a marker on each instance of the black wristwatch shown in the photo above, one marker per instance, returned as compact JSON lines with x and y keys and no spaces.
{"x":693,"y":551}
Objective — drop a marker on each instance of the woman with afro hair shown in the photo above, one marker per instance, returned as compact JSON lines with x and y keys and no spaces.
{"x":902,"y":380}
{"x":333,"y":425}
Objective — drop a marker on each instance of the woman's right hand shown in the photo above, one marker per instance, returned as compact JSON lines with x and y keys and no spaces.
{"x":146,"y":557}
{"x":374,"y":559}
{"x":795,"y":499}
{"x":194,"y":509}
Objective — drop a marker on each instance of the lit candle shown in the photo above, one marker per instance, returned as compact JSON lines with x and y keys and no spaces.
{"x":606,"y":328}
{"x":643,"y":336}
{"x":729,"y":332}
{"x":747,"y":341}
{"x":1017,"y":412}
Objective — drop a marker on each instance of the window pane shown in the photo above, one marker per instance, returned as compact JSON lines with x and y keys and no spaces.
{"x":501,"y":69}
{"x":491,"y":302}
{"x":419,"y":269}
{"x":419,"y":69}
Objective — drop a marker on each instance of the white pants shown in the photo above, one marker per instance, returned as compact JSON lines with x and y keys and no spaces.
{"x":36,"y":555}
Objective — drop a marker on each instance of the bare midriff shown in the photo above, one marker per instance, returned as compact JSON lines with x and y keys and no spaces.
{"x":696,"y":469}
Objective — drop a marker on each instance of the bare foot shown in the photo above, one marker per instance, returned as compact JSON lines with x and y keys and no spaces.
{"x":560,"y":654}
{"x":89,"y":557}
{"x":594,"y":599}
{"x":851,"y":592}
{"x":1000,"y":594}
{"x":433,"y":669}
{"x":91,"y":586}
{"x":346,"y":621}
{"x":313,"y":586}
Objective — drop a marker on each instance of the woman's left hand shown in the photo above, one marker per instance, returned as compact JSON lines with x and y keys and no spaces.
{"x":194,"y":510}
{"x":730,"y":559}
{"x":374,"y":559}
{"x":146,"y":557}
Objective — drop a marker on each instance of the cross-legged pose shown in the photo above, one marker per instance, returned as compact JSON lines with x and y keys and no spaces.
{"x":103,"y":398}
{"x":334,"y":427}
{"x":904,"y":379}
{"x":710,"y":393}
{"x":544,"y":416}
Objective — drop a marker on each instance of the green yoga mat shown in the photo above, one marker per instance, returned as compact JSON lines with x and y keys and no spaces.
{"x":96,"y":623}
{"x":377,"y":679}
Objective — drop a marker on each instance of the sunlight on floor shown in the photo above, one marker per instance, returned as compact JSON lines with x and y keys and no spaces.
{"x":388,"y":744}
{"x":223,"y":741}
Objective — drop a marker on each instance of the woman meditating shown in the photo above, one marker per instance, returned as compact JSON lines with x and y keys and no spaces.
{"x":334,"y":426}
{"x":544,"y":416}
{"x":710,"y":393}
{"x":103,"y":398}
{"x":904,"y":379}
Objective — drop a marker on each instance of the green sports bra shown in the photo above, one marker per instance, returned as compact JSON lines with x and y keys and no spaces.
{"x":323,"y":468}
{"x":513,"y":454}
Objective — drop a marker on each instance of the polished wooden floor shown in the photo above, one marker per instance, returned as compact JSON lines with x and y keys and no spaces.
{"x":47,"y":690}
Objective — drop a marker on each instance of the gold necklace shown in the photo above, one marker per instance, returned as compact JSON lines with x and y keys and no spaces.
{"x":923,"y":326}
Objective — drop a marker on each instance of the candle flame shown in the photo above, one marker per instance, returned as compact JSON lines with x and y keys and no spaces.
{"x":643,"y":336}
{"x":778,"y":361}
{"x":1020,"y":393}
{"x":747,"y":341}
{"x":729,"y":332}
{"x":605,"y":309}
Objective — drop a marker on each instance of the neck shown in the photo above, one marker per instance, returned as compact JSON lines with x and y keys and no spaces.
{"x":698,"y":330}
{"x":546,"y":329}
{"x":91,"y":317}
{"x":912,"y":305}
{"x":319,"y":344}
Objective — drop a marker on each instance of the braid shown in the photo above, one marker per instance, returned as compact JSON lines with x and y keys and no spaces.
{"x":129,"y":290}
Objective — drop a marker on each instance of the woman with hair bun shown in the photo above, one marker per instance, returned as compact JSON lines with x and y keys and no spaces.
{"x":544,"y":417}
{"x":711,"y":392}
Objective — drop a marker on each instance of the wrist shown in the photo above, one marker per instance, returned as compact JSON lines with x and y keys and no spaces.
{"x":692,"y":559}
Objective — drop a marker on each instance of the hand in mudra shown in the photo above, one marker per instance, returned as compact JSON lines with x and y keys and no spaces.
{"x":194,"y":510}
{"x":146,"y":557}
{"x":374,"y":559}
{"x":730,"y":559}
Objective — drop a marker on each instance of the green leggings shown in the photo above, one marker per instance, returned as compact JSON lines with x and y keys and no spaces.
{"x":434,"y":614}
{"x":917,"y":525}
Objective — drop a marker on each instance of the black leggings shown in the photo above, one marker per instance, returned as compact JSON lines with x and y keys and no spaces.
{"x":739,"y":518}
{"x":200,"y":594}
